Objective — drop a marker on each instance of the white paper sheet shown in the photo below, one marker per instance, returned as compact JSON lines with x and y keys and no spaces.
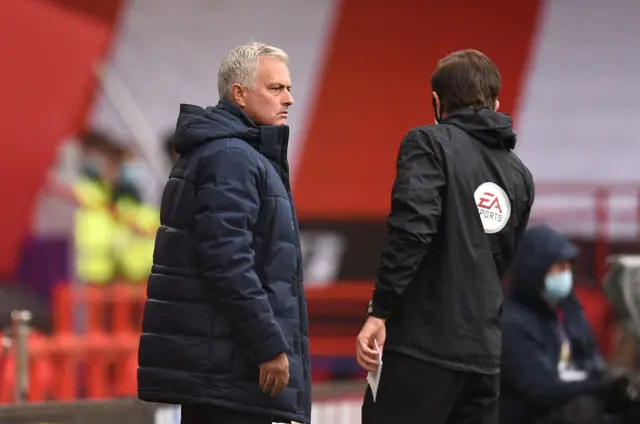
{"x":373,"y":378}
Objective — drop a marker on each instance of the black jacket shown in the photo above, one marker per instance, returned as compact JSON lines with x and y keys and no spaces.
{"x":225,"y":293}
{"x":530,"y":385}
{"x":460,"y":203}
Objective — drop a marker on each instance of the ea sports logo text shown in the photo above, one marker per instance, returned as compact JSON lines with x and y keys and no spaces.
{"x":489,"y":201}
{"x":494,"y":207}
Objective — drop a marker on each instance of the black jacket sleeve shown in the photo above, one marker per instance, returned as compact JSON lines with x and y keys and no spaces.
{"x":416,"y":205}
{"x":524,"y":219}
{"x":527,"y":372}
{"x":505,"y":261}
{"x":227,"y":208}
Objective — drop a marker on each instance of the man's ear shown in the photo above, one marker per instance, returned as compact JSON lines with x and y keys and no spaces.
{"x":238,"y":95}
{"x":437,"y":111}
{"x":497,"y":106}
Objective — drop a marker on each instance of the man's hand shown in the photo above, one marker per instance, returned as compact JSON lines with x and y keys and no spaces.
{"x":274,"y":375}
{"x":373,"y":331}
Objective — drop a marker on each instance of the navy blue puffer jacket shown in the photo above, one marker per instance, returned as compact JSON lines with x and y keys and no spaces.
{"x":225,"y":293}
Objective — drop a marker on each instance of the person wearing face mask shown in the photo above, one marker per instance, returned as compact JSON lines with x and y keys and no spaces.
{"x":552,"y":371}
{"x":95,"y":226}
{"x":137,"y":221}
{"x":459,"y":206}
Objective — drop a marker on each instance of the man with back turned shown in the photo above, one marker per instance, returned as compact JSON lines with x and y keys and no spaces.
{"x":459,"y":206}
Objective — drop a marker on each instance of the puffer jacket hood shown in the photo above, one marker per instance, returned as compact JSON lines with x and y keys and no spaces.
{"x":197,"y":125}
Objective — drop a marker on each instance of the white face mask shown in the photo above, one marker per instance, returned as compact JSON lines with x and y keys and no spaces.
{"x":134,"y":172}
{"x":558,"y":286}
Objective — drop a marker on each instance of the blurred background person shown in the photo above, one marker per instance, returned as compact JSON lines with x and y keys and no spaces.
{"x":137,"y":220}
{"x":552,"y":371}
{"x":95,"y":225}
{"x":114,"y":226}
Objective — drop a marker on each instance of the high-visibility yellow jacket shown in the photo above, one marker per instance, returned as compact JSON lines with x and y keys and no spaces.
{"x":137,"y":224}
{"x":94,"y":231}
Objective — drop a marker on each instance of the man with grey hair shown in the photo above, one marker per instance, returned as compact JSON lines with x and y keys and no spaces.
{"x":225,"y":324}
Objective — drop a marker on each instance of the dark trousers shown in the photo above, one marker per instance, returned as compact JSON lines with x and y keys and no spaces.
{"x":208,"y":414}
{"x":414,"y":391}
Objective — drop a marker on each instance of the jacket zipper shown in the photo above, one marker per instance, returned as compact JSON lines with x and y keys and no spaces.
{"x":268,"y":234}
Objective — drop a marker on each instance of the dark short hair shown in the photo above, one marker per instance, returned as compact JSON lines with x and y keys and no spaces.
{"x":466,"y":78}
{"x":93,"y":139}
